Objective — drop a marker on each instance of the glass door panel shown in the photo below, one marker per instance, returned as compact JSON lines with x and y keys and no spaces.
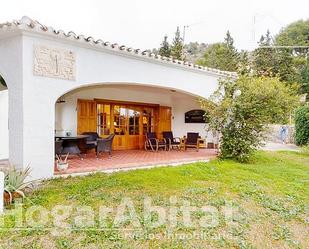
{"x":120,"y":116}
{"x":148,"y":120}
{"x":134,"y":119}
{"x":128,"y":122}
{"x":103,"y":119}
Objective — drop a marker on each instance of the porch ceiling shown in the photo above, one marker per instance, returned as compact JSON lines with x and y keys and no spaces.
{"x":137,"y":88}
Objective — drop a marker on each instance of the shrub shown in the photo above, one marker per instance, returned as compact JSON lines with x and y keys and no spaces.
{"x":15,"y":182}
{"x":302,"y":125}
{"x":240,"y":109}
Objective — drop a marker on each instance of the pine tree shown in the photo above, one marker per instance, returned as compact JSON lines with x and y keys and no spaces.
{"x":265,"y":57}
{"x":231,"y":54}
{"x":269,"y":61}
{"x":165,"y":49}
{"x":177,"y":47}
{"x":285,"y":66}
{"x":229,"y":41}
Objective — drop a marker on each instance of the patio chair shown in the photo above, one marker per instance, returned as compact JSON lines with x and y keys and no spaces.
{"x":192,"y":140}
{"x":91,"y":141}
{"x":172,"y":142}
{"x":153,"y":143}
{"x":105,"y":145}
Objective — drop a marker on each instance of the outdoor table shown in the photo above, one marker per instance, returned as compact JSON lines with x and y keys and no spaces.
{"x":70,"y":144}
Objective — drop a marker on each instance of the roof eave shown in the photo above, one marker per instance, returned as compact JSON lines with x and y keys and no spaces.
{"x":30,"y":27}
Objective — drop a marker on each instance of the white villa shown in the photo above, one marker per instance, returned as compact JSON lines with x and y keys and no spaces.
{"x":64,"y":84}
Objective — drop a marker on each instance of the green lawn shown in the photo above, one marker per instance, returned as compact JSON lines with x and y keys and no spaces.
{"x":270,"y":196}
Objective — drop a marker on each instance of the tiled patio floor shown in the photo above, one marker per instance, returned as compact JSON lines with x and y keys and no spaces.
{"x":134,"y":159}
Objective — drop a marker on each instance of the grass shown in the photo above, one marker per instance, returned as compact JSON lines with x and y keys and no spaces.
{"x":270,"y":195}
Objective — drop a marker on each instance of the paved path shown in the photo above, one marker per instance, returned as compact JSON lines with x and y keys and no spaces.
{"x":279,"y":146}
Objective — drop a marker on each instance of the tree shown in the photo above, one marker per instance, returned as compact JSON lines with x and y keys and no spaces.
{"x":305,"y":78}
{"x":165,"y":49}
{"x":194,"y":51}
{"x":293,"y":61}
{"x":214,"y":56}
{"x":222,"y":55}
{"x":270,"y":60}
{"x":177,"y":46}
{"x":295,"y":34}
{"x":229,"y":41}
{"x":231,"y":53}
{"x":264,"y":57}
{"x":240,"y":110}
{"x":285,"y":66}
{"x":244,"y":66}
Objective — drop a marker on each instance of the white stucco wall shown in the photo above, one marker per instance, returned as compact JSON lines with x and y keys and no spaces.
{"x":180,"y":106}
{"x":32,"y":98}
{"x":4,"y":128}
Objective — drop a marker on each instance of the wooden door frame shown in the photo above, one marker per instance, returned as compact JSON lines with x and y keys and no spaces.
{"x":121,"y":102}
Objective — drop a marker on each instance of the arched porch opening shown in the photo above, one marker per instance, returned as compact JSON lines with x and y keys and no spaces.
{"x":4,"y":119}
{"x":127,"y":110}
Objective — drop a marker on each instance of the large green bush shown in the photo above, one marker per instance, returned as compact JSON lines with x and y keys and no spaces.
{"x":241,"y":109}
{"x":302,"y":125}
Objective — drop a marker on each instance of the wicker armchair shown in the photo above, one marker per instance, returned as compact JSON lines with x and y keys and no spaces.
{"x":90,"y":142}
{"x":105,"y":145}
{"x":153,"y":143}
{"x":172,"y":142}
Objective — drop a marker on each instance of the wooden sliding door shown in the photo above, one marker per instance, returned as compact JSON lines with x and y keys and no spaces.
{"x":128,"y":121}
{"x":127,"y":127}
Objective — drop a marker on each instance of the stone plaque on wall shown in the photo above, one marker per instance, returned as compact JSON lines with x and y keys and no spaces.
{"x":54,"y":63}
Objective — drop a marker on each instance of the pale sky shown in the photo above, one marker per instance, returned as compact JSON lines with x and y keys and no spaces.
{"x":143,"y":23}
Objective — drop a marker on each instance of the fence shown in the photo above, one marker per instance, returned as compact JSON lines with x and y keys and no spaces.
{"x":273,"y":135}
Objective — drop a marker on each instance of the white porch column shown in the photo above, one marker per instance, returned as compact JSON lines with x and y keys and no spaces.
{"x":31,"y":129}
{"x":16,"y":108}
{"x":38,"y":133}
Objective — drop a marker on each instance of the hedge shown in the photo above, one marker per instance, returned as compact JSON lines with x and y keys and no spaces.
{"x":302,"y":125}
